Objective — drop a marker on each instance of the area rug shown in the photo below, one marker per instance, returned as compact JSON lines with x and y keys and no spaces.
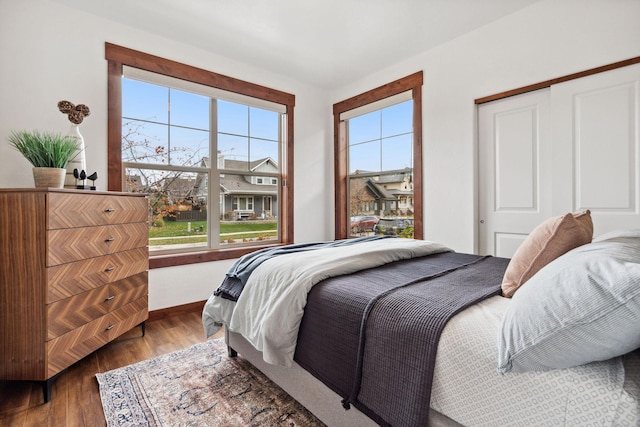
{"x":198,"y":386}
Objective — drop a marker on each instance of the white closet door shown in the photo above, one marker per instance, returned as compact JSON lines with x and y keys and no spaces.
{"x":514,"y":149}
{"x":596,"y":153}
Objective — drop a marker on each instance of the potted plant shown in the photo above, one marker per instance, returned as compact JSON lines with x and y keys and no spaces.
{"x":48,"y":152}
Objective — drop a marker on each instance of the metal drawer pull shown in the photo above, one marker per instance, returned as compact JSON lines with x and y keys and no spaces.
{"x":109,"y":210}
{"x":109,"y":328}
{"x":110,"y":268}
{"x":110,"y":239}
{"x":109,"y":298}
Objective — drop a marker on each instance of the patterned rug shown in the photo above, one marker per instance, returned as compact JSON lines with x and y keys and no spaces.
{"x":197,"y":386}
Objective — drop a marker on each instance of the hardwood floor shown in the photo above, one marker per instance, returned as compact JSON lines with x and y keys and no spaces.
{"x":75,"y":397}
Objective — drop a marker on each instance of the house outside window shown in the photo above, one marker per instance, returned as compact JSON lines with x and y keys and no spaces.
{"x":170,"y":129}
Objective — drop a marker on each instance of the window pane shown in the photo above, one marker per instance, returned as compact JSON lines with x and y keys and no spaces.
{"x":397,"y":152}
{"x":248,"y":211}
{"x":144,"y":101}
{"x":189,"y":147}
{"x":177,"y":206}
{"x":144,"y":142}
{"x":381,"y":172}
{"x":364,"y":128}
{"x":264,"y":124}
{"x":261,"y":149}
{"x":233,"y":152}
{"x":233,"y":118}
{"x":364,"y":157}
{"x":397,"y":119}
{"x":189,"y":109}
{"x":168,"y":130}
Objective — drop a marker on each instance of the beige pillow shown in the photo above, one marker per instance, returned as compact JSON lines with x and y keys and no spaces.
{"x":546,"y":242}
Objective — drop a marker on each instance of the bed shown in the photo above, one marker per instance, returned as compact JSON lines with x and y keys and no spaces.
{"x":405,"y":332}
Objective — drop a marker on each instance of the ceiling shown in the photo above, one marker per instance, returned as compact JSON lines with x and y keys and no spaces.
{"x":326,"y":43}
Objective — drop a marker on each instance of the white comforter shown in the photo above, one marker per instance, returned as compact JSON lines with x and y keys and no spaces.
{"x":270,"y":308}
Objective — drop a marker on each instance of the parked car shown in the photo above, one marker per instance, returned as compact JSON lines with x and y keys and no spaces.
{"x":392,"y":226}
{"x":363,"y":223}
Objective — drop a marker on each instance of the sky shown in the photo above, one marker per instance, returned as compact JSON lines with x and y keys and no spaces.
{"x":182,"y":131}
{"x":380,"y":140}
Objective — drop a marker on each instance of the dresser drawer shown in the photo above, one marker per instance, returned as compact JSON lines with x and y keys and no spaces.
{"x":127,"y":317}
{"x":70,"y":313}
{"x":74,"y":244}
{"x":65,"y":350}
{"x":72,"y":278}
{"x":78,"y":210}
{"x":126,"y":290}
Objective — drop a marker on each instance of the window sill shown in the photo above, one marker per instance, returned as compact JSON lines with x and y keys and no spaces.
{"x":171,"y":260}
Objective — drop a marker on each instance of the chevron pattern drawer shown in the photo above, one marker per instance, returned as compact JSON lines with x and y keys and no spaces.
{"x":77,"y":277}
{"x":70,"y":313}
{"x":74,"y":244}
{"x":71,"y":210}
{"x":67,"y":349}
{"x":72,"y":278}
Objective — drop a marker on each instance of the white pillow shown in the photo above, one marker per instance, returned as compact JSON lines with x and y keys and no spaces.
{"x":582,"y":307}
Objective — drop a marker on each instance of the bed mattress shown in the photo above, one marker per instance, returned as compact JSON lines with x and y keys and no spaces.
{"x":468,"y":389}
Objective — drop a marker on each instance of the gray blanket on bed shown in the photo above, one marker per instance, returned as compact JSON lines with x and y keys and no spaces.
{"x":372,"y":336}
{"x":236,"y":277}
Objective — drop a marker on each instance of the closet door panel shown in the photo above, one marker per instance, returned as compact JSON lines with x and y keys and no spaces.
{"x":514,"y":182}
{"x":596,"y":147}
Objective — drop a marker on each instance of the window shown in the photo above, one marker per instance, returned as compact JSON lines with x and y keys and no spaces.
{"x":243,"y":204}
{"x":378,"y":138}
{"x":187,"y":136}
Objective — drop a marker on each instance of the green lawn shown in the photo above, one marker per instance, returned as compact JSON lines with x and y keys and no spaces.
{"x":246,"y":229}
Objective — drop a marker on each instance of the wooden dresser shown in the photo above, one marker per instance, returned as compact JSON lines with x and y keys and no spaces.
{"x":73,"y":276}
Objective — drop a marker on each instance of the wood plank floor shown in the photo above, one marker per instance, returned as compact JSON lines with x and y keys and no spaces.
{"x":75,"y":398}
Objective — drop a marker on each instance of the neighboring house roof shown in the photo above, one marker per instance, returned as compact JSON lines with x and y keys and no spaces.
{"x":401,"y":192}
{"x":238,"y":184}
{"x":396,"y":176}
{"x":253,"y":166}
{"x":378,"y":191}
{"x":241,"y":184}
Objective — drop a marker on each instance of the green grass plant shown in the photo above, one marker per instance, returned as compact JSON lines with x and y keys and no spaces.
{"x":44,"y":149}
{"x":179,"y":228}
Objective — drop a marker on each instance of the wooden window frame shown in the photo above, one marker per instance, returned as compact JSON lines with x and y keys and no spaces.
{"x":117,"y":57}
{"x":412,"y":82}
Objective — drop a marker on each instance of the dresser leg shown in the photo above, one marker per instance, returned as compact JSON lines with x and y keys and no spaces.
{"x":46,"y":390}
{"x":46,"y":386}
{"x":143,"y":326}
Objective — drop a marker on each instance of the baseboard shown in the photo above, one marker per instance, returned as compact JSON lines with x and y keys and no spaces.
{"x":192,"y":307}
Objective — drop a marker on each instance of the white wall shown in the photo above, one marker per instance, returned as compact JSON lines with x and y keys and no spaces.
{"x":549,"y":39}
{"x":49,"y":52}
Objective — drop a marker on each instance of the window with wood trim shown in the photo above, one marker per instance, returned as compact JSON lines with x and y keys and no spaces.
{"x":188,"y":137}
{"x":378,"y":161}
